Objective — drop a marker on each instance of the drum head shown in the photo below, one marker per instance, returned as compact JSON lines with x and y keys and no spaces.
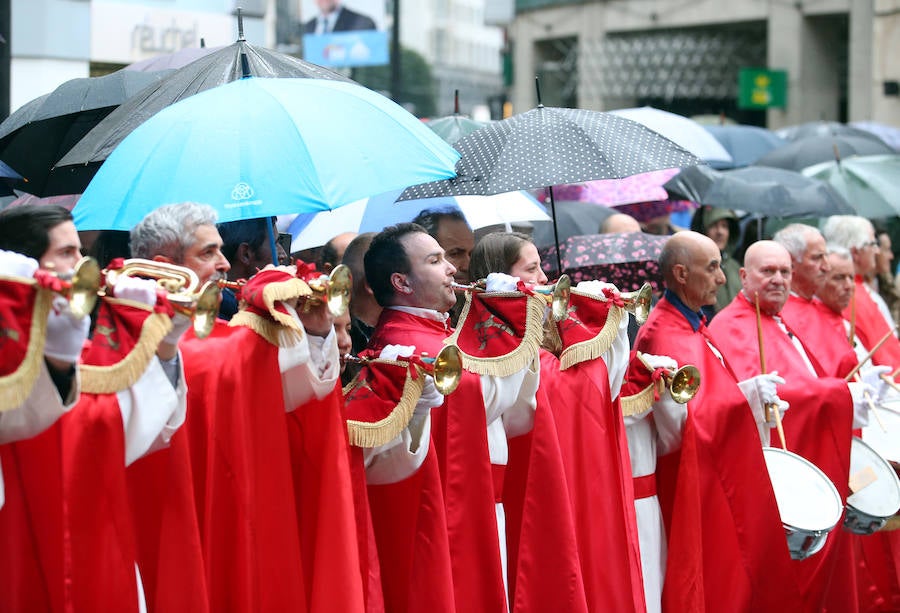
{"x":881,"y":498}
{"x":885,"y":443}
{"x":806,"y":498}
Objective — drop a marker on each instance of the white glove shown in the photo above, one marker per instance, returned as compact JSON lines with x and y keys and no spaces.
{"x":500,"y":282}
{"x":430,"y":397}
{"x":180,"y":324}
{"x":65,"y":332}
{"x":14,"y":264}
{"x":595,"y":288}
{"x":136,"y":289}
{"x":660,"y":361}
{"x":392,"y":352}
{"x":760,"y":391}
{"x":873,"y":377}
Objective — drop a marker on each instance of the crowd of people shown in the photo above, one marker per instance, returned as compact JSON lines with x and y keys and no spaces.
{"x":294,"y":456}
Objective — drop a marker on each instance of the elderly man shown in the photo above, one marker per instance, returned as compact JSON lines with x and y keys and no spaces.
{"x":867,"y":321}
{"x":803,"y":311}
{"x":835,"y":295}
{"x":822,"y":404}
{"x":411,"y":278}
{"x":719,"y":479}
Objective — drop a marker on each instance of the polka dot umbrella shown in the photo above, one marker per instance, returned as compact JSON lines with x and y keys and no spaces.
{"x":549,"y":146}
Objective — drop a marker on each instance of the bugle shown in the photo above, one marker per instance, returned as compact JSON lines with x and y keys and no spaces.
{"x":182,"y":285}
{"x":333,"y":290}
{"x":638,"y":303}
{"x":682,"y":383}
{"x":556,"y":294}
{"x":81,"y":286}
{"x":446,"y":368}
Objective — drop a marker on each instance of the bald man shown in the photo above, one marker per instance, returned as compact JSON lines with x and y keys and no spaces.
{"x":822,"y":404}
{"x":719,"y":479}
{"x":619,"y":222}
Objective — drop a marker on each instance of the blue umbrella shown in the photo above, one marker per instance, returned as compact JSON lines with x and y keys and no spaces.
{"x":746,"y":144}
{"x":262,"y":147}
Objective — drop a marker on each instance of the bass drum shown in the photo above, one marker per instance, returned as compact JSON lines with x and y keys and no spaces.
{"x":870,"y":507}
{"x":809,"y":504}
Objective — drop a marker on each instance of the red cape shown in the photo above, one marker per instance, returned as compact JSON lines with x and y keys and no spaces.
{"x":242,"y":473}
{"x":727,"y":547}
{"x":822,"y":330}
{"x":817,"y":427}
{"x":459,"y":439}
{"x":871,"y":327}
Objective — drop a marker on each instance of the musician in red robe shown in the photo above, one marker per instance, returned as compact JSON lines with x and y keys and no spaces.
{"x":726,"y":545}
{"x":827,"y":406}
{"x":867,"y":321}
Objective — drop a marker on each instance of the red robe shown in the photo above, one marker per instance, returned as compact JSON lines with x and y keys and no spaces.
{"x":727,"y":548}
{"x":822,"y":330}
{"x":817,"y":427}
{"x":243,"y":480}
{"x":871,"y":327}
{"x":459,"y":441}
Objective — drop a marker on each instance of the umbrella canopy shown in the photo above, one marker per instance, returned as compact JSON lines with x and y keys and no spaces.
{"x":745,"y":144}
{"x":627,"y":259}
{"x":373,"y":214}
{"x":223,"y":66}
{"x":817,"y":149}
{"x":572,"y":218}
{"x":35,"y":137}
{"x":889,"y":134}
{"x":454,"y":127}
{"x":8,"y":176}
{"x":687,"y":133}
{"x":549,"y":146}
{"x":66,"y":202}
{"x":868,"y":183}
{"x":261,"y":147}
{"x":179,"y":59}
{"x":645,"y":187}
{"x":823,"y":129}
{"x":770,"y":192}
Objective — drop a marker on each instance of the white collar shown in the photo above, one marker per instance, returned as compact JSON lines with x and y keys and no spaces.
{"x":424,"y":313}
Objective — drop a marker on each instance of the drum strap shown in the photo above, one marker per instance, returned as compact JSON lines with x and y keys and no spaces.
{"x":645,"y":487}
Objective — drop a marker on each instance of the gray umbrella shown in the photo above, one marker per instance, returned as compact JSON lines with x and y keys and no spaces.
{"x":823,"y":129}
{"x":37,"y":135}
{"x":746,"y":144}
{"x":812,"y":150}
{"x":768,"y":192}
{"x":223,"y":66}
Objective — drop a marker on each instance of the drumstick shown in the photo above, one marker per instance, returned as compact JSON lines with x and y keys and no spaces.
{"x":895,"y":373}
{"x":852,"y":317}
{"x":871,"y":353}
{"x":871,"y":404}
{"x":762,"y":365}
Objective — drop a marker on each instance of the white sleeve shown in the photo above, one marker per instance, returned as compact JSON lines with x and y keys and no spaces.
{"x":40,"y":410}
{"x":617,"y":357}
{"x":402,"y":456}
{"x":513,"y":398}
{"x":669,"y":417}
{"x":152,"y":410}
{"x":309,"y":368}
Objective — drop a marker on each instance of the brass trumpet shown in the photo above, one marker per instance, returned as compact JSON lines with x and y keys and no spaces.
{"x":638,"y":303}
{"x":81,"y":286}
{"x":446,"y":367}
{"x":556,"y":294}
{"x":333,"y":290}
{"x":683,"y":383}
{"x":182,"y":285}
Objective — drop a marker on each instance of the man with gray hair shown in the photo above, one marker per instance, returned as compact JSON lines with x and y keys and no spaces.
{"x":803,"y":312}
{"x":866,"y":317}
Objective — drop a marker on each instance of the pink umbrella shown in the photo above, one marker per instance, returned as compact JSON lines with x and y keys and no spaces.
{"x":67,"y":202}
{"x":645,"y":187}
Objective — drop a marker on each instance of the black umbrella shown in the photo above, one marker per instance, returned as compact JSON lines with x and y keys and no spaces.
{"x":228,"y":64}
{"x":573,"y":218}
{"x":770,"y":192}
{"x":812,"y":150}
{"x":37,"y":135}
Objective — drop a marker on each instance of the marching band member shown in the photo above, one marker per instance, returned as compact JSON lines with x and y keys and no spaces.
{"x":714,"y":486}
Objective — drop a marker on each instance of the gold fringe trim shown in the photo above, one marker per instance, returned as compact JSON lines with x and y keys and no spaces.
{"x":284,"y":290}
{"x":125,"y":373}
{"x":271,"y":331}
{"x":16,"y":386}
{"x":373,"y":434}
{"x":518,"y":358}
{"x":639,"y":403}
{"x":595,"y":347}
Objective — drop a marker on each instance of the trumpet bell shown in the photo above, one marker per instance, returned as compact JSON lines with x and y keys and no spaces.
{"x":684,"y":384}
{"x":558,"y":296}
{"x":447,"y":369}
{"x":206,"y":309}
{"x":337,"y":294}
{"x":85,"y":286}
{"x":638,"y":303}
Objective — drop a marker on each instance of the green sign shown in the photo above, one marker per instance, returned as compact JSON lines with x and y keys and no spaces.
{"x":759,"y":88}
